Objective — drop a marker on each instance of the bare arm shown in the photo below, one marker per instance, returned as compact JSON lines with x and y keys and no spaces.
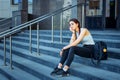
{"x":73,"y":38}
{"x":78,"y":40}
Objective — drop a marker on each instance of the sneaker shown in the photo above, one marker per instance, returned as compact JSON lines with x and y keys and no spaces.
{"x":54,"y":72}
{"x":63,"y":73}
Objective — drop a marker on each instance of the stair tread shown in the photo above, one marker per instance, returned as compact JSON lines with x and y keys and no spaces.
{"x":98,"y":32}
{"x":116,"y":50}
{"x":68,"y":36}
{"x":38,"y":68}
{"x":3,"y":77}
{"x":57,"y":42}
{"x":16,"y":73}
{"x":85,"y":69}
{"x":110,"y":61}
{"x":22,"y":50}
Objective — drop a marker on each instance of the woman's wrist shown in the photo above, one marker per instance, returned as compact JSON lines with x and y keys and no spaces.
{"x":73,"y":32}
{"x":62,"y":50}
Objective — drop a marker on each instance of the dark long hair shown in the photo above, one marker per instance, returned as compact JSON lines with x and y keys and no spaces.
{"x":77,"y":22}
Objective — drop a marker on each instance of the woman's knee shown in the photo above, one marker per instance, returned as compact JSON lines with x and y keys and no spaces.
{"x":72,"y":48}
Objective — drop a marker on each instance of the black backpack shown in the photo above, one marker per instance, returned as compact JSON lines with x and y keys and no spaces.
{"x":100,"y":52}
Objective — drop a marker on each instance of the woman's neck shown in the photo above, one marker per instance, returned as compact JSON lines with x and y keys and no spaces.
{"x":78,"y":30}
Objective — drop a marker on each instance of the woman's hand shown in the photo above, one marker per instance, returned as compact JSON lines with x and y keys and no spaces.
{"x":72,"y":30}
{"x":61,"y":52}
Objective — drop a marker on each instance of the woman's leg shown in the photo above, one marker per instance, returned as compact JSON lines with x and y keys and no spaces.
{"x":63,"y":58}
{"x":81,"y":51}
{"x":84,"y":51}
{"x":62,"y":61}
{"x":68,"y":56}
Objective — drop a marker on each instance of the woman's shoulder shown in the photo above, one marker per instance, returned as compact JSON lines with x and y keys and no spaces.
{"x":84,"y":29}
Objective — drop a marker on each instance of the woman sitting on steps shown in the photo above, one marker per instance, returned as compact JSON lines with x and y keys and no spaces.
{"x":79,"y":35}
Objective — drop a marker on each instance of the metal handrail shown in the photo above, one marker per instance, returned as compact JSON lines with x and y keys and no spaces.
{"x":27,"y":23}
{"x":24,"y":25}
{"x":30,"y":22}
{"x":14,"y":30}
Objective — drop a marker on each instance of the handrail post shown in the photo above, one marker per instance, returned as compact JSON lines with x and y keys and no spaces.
{"x":52,"y":38}
{"x":83,"y":15}
{"x":11,"y":52}
{"x":61,"y":25}
{"x":38,"y":39}
{"x":15,"y":21}
{"x":5,"y":51}
{"x":30,"y":41}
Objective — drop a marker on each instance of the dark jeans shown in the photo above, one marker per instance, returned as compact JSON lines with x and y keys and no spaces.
{"x":68,"y":54}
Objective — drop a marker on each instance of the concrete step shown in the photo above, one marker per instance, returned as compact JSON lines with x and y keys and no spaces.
{"x":76,"y":68}
{"x":109,"y":65}
{"x":81,"y":68}
{"x":15,"y":74}
{"x":36,"y":70}
{"x":4,"y":75}
{"x":67,"y":32}
{"x":111,"y":42}
{"x":114,"y":36}
{"x":113,"y":52}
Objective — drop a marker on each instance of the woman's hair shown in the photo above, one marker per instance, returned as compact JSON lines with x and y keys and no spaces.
{"x":75,"y":21}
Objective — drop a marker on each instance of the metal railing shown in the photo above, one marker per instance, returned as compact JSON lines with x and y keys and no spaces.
{"x":14,"y":30}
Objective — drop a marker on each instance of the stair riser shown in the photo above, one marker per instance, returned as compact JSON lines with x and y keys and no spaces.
{"x":106,"y":37}
{"x":65,"y":33}
{"x":49,"y":64}
{"x":85,"y":61}
{"x":29,"y":70}
{"x":68,"y":33}
{"x":59,"y":46}
{"x":41,"y":43}
{"x":9,"y":77}
{"x":109,"y":44}
{"x":48,"y":38}
{"x":95,"y":36}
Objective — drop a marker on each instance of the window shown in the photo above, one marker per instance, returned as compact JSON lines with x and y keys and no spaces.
{"x":15,"y":2}
{"x":94,"y":4}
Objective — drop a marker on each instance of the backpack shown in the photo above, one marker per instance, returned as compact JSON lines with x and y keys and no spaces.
{"x":100,"y":52}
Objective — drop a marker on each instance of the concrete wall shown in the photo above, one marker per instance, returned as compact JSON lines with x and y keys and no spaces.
{"x":6,"y":8}
{"x":41,"y":7}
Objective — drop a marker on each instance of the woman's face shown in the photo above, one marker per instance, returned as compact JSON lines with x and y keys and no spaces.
{"x":73,"y":25}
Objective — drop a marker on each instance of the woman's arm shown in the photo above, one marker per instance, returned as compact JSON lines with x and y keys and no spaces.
{"x":78,"y":40}
{"x":73,"y":38}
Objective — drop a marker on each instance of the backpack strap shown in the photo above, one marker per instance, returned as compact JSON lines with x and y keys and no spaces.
{"x":96,"y":58}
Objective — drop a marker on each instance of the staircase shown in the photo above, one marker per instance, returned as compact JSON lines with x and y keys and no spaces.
{"x":5,"y":24}
{"x":29,"y":66}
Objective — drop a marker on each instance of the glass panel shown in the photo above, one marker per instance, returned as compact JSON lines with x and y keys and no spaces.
{"x":94,"y":8}
{"x":94,"y":4}
{"x":15,"y":2}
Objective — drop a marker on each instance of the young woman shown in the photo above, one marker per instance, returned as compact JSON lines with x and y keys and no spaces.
{"x":79,"y":35}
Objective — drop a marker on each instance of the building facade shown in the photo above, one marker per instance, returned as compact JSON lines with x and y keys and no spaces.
{"x":98,"y":14}
{"x":102,"y":14}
